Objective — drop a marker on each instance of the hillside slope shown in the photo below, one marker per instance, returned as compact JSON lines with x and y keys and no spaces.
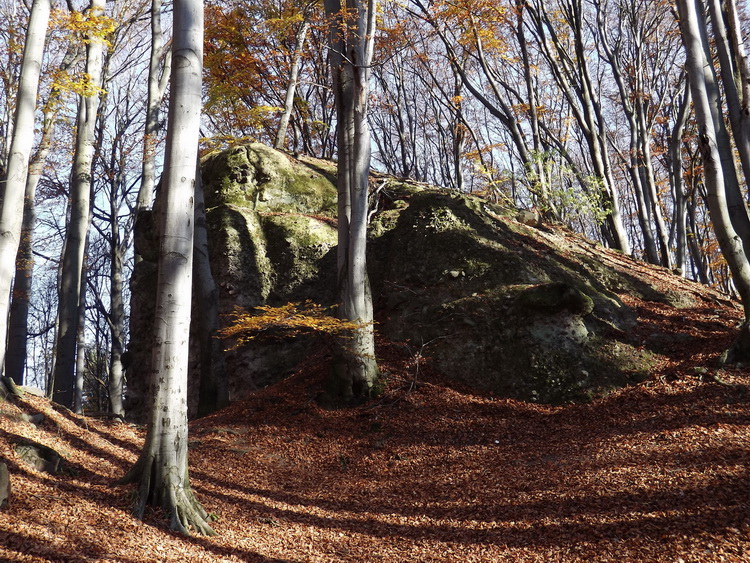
{"x":429,"y":472}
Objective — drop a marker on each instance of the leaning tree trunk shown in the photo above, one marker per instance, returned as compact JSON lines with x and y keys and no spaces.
{"x":352,"y":28}
{"x":162,"y":468}
{"x":13,"y":188}
{"x":731,"y":62}
{"x":78,"y":220}
{"x":714,"y":173}
{"x":726,"y":151}
{"x":291,"y":88}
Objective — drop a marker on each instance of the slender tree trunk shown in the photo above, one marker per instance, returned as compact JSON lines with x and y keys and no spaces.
{"x":162,"y":468}
{"x":291,"y":87}
{"x":735,"y":199}
{"x":156,"y":86}
{"x":674,"y":161}
{"x":13,"y":186}
{"x":78,"y":220}
{"x":352,"y":36}
{"x":731,"y":63}
{"x":116,"y":318}
{"x":459,"y":133}
{"x":214,"y":384}
{"x":540,"y":182}
{"x":80,"y":363}
{"x":570,"y":69}
{"x":15,"y":363}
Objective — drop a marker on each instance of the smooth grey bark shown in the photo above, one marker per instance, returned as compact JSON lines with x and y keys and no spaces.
{"x":80,"y":360}
{"x":291,"y":87}
{"x":15,"y":361}
{"x":162,"y":468}
{"x":352,"y":38}
{"x":157,"y":85}
{"x":13,"y":185}
{"x":733,"y":69}
{"x":735,"y":199}
{"x":78,"y":220}
{"x":714,"y":173}
{"x":674,"y":164}
{"x":214,"y":384}
{"x":116,"y":316}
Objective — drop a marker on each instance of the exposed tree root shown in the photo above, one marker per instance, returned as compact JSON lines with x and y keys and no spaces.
{"x":171,"y":491}
{"x":739,"y":351}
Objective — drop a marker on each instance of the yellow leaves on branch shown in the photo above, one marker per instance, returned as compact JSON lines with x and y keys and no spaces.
{"x":292,"y":319}
{"x":85,"y":24}
{"x":81,"y":84}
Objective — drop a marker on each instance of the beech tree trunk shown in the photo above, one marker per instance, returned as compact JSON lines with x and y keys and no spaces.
{"x":214,"y":385}
{"x":715,"y":173}
{"x":116,"y":317}
{"x":78,"y":220}
{"x":352,"y":37}
{"x":13,"y":186}
{"x":291,"y":88}
{"x":80,"y":363}
{"x":674,"y":160}
{"x":157,"y":84}
{"x":162,"y":468}
{"x":15,"y":361}
{"x":732,"y":65}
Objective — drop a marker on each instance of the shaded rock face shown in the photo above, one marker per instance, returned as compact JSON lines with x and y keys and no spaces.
{"x":271,"y":226}
{"x":515,"y":310}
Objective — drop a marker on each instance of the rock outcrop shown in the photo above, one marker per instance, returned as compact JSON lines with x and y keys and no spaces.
{"x":530,"y":312}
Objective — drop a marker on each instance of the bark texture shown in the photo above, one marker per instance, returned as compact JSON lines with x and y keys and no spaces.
{"x":352,"y":28}
{"x":13,"y":188}
{"x":162,"y":468}
{"x":157,"y":84}
{"x":76,"y":235}
{"x":716,"y":168}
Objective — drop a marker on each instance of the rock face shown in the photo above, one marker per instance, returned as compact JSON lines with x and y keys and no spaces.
{"x":520,"y":311}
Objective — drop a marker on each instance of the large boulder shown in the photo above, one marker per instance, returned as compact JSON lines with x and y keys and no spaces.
{"x":499,"y":305}
{"x":518,"y":310}
{"x":271,"y":222}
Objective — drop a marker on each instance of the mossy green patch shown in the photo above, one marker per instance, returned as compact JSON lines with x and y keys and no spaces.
{"x":260,"y":178}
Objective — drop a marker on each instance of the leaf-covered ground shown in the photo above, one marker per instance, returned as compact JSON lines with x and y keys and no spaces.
{"x":655,"y":472}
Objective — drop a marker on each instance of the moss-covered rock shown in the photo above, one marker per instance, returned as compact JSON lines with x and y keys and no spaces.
{"x":259,"y":178}
{"x":519,"y":311}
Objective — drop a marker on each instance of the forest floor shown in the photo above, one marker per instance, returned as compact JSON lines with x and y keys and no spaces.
{"x":428,"y":472}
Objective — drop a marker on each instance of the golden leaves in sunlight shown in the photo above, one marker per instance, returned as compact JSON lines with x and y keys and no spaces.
{"x":84,"y":24}
{"x":292,"y":319}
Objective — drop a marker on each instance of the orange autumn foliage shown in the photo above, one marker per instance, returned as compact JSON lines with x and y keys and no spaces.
{"x":292,"y":319}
